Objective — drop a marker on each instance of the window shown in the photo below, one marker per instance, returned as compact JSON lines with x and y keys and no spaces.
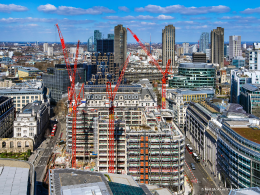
{"x":11,"y":144}
{"x":18,"y":101}
{"x":31,"y":134}
{"x":24,"y":131}
{"x":32,"y":97}
{"x":18,"y":134}
{"x":18,"y":129}
{"x":31,"y":128}
{"x":19,"y":145}
{"x":23,"y":101}
{"x":23,"y":97}
{"x":18,"y":98}
{"x":27,"y":144}
{"x":36,"y":97}
{"x":27,"y":101}
{"x":27,"y":97}
{"x":3,"y":145}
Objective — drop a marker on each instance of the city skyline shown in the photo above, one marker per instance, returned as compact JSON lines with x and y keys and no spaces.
{"x":27,"y":21}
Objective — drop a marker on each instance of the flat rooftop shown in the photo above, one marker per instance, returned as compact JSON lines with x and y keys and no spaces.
{"x":14,"y":180}
{"x":252,"y":134}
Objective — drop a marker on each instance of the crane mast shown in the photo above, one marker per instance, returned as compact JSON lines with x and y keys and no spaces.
{"x":164,"y":73}
{"x":111,"y":96}
{"x":73,"y":99}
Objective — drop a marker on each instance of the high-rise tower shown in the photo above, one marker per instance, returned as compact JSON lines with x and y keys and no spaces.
{"x":97,"y":35}
{"x":204,"y":42}
{"x":90,"y":44}
{"x":234,"y":46}
{"x":120,"y":44}
{"x":217,"y":46}
{"x":168,"y":46}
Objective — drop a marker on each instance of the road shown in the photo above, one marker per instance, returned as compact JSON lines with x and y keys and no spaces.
{"x":42,"y":162}
{"x":204,"y":183}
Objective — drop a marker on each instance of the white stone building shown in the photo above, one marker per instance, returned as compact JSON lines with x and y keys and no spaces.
{"x":32,"y":121}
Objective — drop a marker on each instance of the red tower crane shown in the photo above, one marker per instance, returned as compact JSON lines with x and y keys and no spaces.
{"x":111,"y":96}
{"x":73,"y":98}
{"x":164,"y":73}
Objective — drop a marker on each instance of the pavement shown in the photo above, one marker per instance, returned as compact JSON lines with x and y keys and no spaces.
{"x":206,"y":182}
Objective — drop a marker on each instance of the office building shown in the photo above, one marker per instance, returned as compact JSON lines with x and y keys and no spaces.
{"x":217,"y":46}
{"x":204,"y":42}
{"x":238,"y":62}
{"x":50,"y":51}
{"x":194,"y":75}
{"x":7,"y":113}
{"x":250,"y":98}
{"x":22,"y":96}
{"x":177,"y":100}
{"x":179,"y":51}
{"x":238,"y":79}
{"x":226,"y":51}
{"x":238,"y":156}
{"x":244,"y":46}
{"x":120,"y":44}
{"x":193,"y":48}
{"x":90,"y":44}
{"x":110,"y":36}
{"x":253,"y":57}
{"x":105,"y":45}
{"x":208,"y":55}
{"x":235,"y":46}
{"x":168,"y":46}
{"x":32,"y":121}
{"x":28,"y":72}
{"x":185,"y":48}
{"x":97,"y":35}
{"x":45,"y":47}
{"x":199,"y":57}
{"x":57,"y":80}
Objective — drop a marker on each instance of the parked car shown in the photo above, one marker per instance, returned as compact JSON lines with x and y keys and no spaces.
{"x":192,"y":166}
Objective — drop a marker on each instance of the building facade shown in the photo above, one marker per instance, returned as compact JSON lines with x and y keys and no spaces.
{"x":239,"y":152}
{"x":120,"y":44}
{"x":239,"y":62}
{"x":168,"y":46}
{"x":110,"y":36}
{"x":21,"y":96}
{"x":199,"y":57}
{"x":234,"y":46}
{"x":204,"y":42}
{"x":7,"y":114}
{"x":32,"y":121}
{"x":57,"y":79}
{"x":217,"y":46}
{"x":194,"y":75}
{"x":238,"y":79}
{"x":105,"y":45}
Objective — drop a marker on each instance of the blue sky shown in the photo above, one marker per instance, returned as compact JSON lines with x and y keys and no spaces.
{"x":35,"y":20}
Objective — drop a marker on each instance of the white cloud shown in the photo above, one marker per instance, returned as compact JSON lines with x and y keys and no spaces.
{"x":32,"y":25}
{"x":237,"y":18}
{"x":200,"y":18}
{"x":123,"y":8}
{"x":164,"y":17}
{"x":47,"y":8}
{"x":251,"y":11}
{"x":183,"y":10}
{"x":140,"y":17}
{"x":44,"y":20}
{"x":65,"y":10}
{"x":12,"y":7}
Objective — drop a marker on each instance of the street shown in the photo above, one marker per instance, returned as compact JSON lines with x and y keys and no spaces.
{"x":49,"y":144}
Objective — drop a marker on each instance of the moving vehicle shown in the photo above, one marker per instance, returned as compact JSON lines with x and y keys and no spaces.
{"x":192,"y":166}
{"x":196,"y":157}
{"x":190,"y":150}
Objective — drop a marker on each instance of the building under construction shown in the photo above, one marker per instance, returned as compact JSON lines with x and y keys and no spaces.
{"x":156,"y":153}
{"x":107,"y":70}
{"x":147,"y":144}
